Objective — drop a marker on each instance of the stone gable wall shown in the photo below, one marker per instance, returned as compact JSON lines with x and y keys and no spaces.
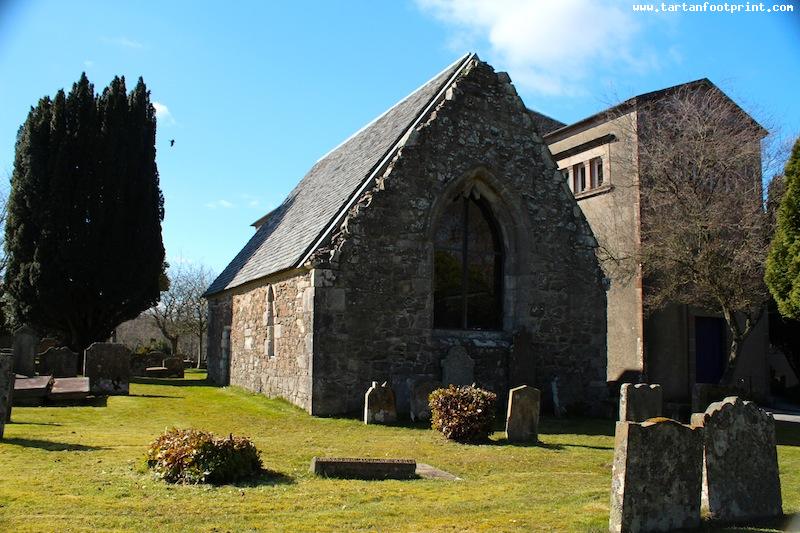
{"x":374,"y":282}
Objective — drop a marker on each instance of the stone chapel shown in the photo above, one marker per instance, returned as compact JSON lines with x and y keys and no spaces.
{"x":443,"y":228}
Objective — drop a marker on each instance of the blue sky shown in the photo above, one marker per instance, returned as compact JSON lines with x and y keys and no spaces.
{"x":255,"y":92}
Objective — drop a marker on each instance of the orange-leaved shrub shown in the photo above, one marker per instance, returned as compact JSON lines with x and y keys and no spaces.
{"x":195,"y":456}
{"x":464,"y":414}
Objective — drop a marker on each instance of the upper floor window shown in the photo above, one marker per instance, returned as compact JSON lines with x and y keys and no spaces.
{"x":579,"y":174}
{"x":587,"y":175}
{"x":596,"y":166}
{"x":468,"y":267}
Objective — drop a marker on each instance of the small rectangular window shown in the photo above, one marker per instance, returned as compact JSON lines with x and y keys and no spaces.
{"x":579,"y":174}
{"x":596,"y":166}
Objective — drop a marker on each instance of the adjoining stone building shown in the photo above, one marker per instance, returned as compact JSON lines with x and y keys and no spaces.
{"x":443,"y":224}
{"x":679,"y":345}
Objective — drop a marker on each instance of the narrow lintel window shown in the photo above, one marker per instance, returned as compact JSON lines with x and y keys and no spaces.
{"x":468,"y":267}
{"x":579,"y":175}
{"x":269,"y":319}
{"x":596,"y":166}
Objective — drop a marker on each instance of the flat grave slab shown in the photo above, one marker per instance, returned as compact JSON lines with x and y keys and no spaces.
{"x":431,"y":472}
{"x":156,"y":372}
{"x":35,"y":387}
{"x":360,"y":468}
{"x":69,"y":389}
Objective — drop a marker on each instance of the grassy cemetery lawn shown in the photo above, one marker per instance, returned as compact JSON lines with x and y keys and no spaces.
{"x":81,"y":469}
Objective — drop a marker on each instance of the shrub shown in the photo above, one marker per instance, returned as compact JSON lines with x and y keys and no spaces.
{"x":195,"y":456}
{"x":463,"y":414}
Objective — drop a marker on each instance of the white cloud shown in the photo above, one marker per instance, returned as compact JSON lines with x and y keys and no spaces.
{"x":250,"y":200}
{"x":88,"y":63}
{"x":220,"y":204}
{"x":163,"y":114}
{"x":547,"y":46}
{"x":124,"y":42}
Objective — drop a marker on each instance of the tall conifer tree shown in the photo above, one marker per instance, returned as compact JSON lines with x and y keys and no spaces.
{"x":83,"y":234}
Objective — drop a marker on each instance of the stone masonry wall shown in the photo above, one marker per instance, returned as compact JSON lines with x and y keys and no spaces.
{"x":271,"y":338}
{"x":374,"y":282}
{"x":219,"y":318}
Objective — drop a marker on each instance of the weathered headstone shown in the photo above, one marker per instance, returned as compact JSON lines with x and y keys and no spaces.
{"x":26,"y":340}
{"x":108,"y":367}
{"x":420,"y":407}
{"x":458,"y":368}
{"x":6,"y":388}
{"x":31,"y":391}
{"x":639,"y":402}
{"x":174,"y":366}
{"x":740,"y":475}
{"x":379,"y":404}
{"x":141,"y":362}
{"x":656,"y":476}
{"x":59,"y":363}
{"x":522,"y":418}
{"x":47,"y":343}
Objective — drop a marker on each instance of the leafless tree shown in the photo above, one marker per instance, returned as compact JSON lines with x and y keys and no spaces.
{"x":697,"y":168}
{"x":182,"y":309}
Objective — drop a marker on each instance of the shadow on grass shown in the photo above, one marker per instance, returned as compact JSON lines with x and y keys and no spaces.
{"x":789,"y":522}
{"x":156,"y":396}
{"x":266,"y":478}
{"x":577,"y":426}
{"x":787,"y":433}
{"x":51,"y":446}
{"x":34,"y":423}
{"x":173,"y":382}
{"x":537,"y":444}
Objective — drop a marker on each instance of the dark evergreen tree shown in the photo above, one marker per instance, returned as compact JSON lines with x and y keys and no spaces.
{"x":783,"y":262}
{"x":83,"y":234}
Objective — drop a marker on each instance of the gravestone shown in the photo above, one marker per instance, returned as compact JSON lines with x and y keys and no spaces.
{"x":69,"y":389}
{"x":656,"y":476}
{"x":522,"y":418}
{"x":108,"y":367}
{"x":458,"y":368}
{"x":47,"y":343}
{"x":24,"y":345}
{"x":522,"y":361}
{"x":31,"y":391}
{"x":740,"y":475}
{"x":420,"y":391}
{"x":141,"y":362}
{"x":174,"y":366}
{"x":6,"y":388}
{"x":379,"y":404}
{"x":639,"y":402}
{"x":59,"y":363}
{"x":358,"y":468}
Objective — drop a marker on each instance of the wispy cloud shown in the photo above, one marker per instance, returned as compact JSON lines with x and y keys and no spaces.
{"x":124,"y":42}
{"x":88,"y":63}
{"x":216,"y":204}
{"x":250,"y":200}
{"x":163,"y":114}
{"x":548,"y":47}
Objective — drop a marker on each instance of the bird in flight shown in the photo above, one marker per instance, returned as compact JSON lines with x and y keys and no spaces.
{"x":172,"y":142}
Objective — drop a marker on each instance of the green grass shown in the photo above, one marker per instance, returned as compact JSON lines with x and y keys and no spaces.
{"x":80,"y":469}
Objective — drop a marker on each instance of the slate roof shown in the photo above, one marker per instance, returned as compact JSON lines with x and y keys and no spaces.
{"x":289,"y":233}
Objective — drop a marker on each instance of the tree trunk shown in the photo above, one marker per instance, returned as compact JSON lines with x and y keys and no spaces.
{"x":200,"y":350}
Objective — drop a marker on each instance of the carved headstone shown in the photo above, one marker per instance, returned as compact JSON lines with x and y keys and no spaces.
{"x":47,"y":343}
{"x":174,"y":366}
{"x":740,"y":475}
{"x":26,"y":340}
{"x":379,"y":404}
{"x":522,"y":418}
{"x":420,"y":407}
{"x":141,"y":362}
{"x":656,"y":476}
{"x":639,"y":402}
{"x":59,"y":363}
{"x":522,"y":363}
{"x":458,"y":368}
{"x":108,"y":367}
{"x":6,"y":388}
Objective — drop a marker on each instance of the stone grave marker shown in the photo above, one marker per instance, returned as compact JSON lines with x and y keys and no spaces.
{"x":6,"y":388}
{"x":740,"y":475}
{"x":68,"y":389}
{"x":656,"y":476}
{"x":47,"y":343}
{"x":379,"y":404}
{"x":420,"y":390}
{"x":31,"y":391}
{"x":458,"y":368}
{"x":24,"y":345}
{"x":59,"y":363}
{"x":108,"y":367}
{"x":358,"y":468}
{"x":639,"y":402}
{"x":174,"y":366}
{"x":522,"y":418}
{"x":141,"y":362}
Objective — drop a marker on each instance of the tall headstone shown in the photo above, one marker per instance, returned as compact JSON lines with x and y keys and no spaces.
{"x":420,"y":407}
{"x":656,"y":476}
{"x":740,"y":475}
{"x":639,"y":402}
{"x":379,"y":404}
{"x":58,"y":362}
{"x":174,"y":366}
{"x":108,"y":367}
{"x":458,"y":368}
{"x":6,"y":388}
{"x":522,"y":418}
{"x":24,"y":345}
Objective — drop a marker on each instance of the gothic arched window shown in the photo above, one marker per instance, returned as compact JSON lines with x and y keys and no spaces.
{"x":468,"y":267}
